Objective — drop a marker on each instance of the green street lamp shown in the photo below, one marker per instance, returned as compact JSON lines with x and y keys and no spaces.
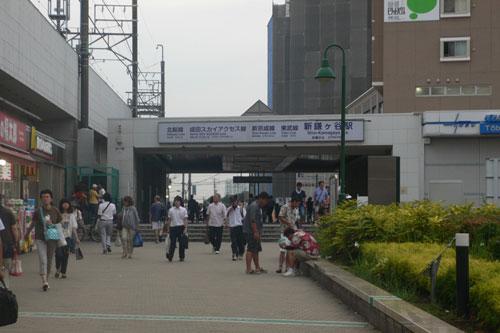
{"x":326,"y":74}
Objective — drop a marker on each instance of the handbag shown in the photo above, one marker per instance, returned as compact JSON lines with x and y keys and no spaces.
{"x":207,"y":237}
{"x":62,"y":240}
{"x":78,"y":253}
{"x":51,"y":232}
{"x":16,"y":265}
{"x":167,"y":241}
{"x":138,"y":242}
{"x":8,"y":306}
{"x":185,"y":241}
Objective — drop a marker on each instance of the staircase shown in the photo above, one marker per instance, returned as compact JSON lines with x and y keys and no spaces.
{"x":197,"y":232}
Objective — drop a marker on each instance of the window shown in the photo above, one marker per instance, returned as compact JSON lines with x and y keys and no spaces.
{"x":455,"y":49}
{"x":437,"y":91}
{"x":422,"y":91}
{"x":484,"y":90}
{"x":454,"y":91}
{"x":455,"y":8}
{"x":468,"y":90}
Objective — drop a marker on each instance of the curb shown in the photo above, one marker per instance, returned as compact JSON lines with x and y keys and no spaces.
{"x":384,"y":311}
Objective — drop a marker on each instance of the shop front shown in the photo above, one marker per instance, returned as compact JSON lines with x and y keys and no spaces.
{"x":29,"y":161}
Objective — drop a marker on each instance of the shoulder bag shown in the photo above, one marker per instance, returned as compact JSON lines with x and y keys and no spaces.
{"x":51,"y":231}
{"x":8,"y":305}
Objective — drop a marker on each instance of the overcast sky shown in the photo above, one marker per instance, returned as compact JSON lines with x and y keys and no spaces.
{"x":216,"y":52}
{"x":216,"y":57}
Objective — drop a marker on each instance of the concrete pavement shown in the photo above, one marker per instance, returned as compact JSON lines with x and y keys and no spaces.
{"x":207,"y":293}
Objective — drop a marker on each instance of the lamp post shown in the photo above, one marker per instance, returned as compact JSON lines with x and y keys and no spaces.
{"x":326,"y":74}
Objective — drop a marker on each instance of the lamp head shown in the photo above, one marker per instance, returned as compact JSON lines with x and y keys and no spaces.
{"x":325,"y":73}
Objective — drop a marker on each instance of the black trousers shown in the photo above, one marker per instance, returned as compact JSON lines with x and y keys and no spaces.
{"x":62,"y":255}
{"x":215,"y":234}
{"x":237,"y":241}
{"x":175,"y":236}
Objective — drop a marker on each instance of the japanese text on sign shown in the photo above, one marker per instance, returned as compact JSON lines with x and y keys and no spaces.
{"x":255,"y":131}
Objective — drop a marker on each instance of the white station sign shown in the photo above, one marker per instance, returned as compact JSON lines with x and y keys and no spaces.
{"x":258,"y":131}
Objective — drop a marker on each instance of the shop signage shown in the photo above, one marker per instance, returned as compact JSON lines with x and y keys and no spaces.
{"x":13,"y":132}
{"x":466,"y":123}
{"x":411,"y":10}
{"x":41,"y":143}
{"x":259,"y":131}
{"x":491,"y":125}
{"x":6,"y":172}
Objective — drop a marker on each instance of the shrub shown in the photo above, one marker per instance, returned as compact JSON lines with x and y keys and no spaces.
{"x":422,"y":221}
{"x":397,"y":265}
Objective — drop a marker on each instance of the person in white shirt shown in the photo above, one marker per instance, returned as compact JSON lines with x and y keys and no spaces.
{"x":216,"y":214}
{"x":235,"y":216}
{"x":106,"y":213}
{"x":177,"y":227}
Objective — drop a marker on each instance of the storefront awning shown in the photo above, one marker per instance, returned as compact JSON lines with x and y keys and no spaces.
{"x":17,"y":154}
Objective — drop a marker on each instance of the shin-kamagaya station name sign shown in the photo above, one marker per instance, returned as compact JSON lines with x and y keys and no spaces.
{"x":258,"y":131}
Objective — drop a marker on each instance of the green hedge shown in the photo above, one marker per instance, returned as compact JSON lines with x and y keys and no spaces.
{"x":422,"y":221}
{"x":397,"y":266}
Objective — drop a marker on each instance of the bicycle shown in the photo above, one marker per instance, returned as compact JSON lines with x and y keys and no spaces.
{"x":89,"y":232}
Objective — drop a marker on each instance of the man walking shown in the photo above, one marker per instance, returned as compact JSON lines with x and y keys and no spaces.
{"x":93,"y":201}
{"x":235,"y":216}
{"x":320,"y":198}
{"x":157,"y":215}
{"x":45,"y":218}
{"x":216,"y":214}
{"x":252,"y":227}
{"x":192,"y":209}
{"x":177,"y":225}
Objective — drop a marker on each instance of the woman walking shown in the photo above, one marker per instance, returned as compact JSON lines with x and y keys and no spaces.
{"x":130,"y":223}
{"x":44,"y":221}
{"x":70,"y":226}
{"x":106,"y":213}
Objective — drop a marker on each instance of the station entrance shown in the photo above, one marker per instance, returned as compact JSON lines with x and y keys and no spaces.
{"x":146,"y":150}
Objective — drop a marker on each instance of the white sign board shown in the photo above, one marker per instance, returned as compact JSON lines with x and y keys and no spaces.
{"x":411,"y":10}
{"x":258,"y":131}
{"x":461,"y":123}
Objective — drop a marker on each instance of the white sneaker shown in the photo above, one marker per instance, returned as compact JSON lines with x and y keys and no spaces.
{"x":217,"y":252}
{"x":289,"y":272}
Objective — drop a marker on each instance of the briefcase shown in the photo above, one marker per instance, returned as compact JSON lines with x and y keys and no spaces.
{"x":185,"y":241}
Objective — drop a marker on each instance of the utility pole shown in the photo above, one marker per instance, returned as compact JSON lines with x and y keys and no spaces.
{"x":135,"y":59}
{"x":84,"y":63}
{"x":183,"y":186}
{"x":215,"y":187}
{"x":189,"y":186}
{"x":58,"y":20}
{"x":162,"y":81}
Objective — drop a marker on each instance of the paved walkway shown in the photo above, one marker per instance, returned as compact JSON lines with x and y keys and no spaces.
{"x":207,"y":293}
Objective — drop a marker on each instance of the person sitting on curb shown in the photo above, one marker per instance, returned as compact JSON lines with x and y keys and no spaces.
{"x":303,"y":247}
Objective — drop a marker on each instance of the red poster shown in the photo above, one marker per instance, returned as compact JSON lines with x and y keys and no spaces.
{"x":13,"y":132}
